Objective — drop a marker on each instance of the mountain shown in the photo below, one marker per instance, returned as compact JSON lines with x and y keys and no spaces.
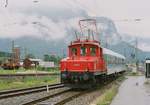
{"x":35,"y":46}
{"x":129,"y":51}
{"x":40,"y":46}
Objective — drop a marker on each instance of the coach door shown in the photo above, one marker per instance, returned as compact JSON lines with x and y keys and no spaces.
{"x":147,"y":74}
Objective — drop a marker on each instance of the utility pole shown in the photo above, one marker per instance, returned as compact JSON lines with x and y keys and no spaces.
{"x":13,"y":53}
{"x":125,"y":51}
{"x":136,"y":54}
{"x":25,"y":52}
{"x":106,"y":41}
{"x":63,"y":52}
{"x":13,"y":44}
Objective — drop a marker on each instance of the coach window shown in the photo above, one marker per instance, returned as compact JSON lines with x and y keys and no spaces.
{"x":93,"y":51}
{"x":74,"y":51}
{"x":109,"y":59}
{"x":122,"y":61}
{"x":83,"y":51}
{"x":116,"y":60}
{"x":119,"y":61}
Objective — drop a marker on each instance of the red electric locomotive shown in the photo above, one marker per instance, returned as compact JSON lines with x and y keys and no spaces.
{"x":86,"y":61}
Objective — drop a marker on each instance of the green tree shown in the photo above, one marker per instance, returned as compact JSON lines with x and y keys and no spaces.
{"x":46,"y":57}
{"x":30,"y":56}
{"x":52,"y":58}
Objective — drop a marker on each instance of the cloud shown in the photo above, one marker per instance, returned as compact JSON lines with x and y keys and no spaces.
{"x":135,"y":29}
{"x":19,"y":25}
{"x":45,"y":19}
{"x":56,"y":9}
{"x":144,"y":46}
{"x":53,"y":17}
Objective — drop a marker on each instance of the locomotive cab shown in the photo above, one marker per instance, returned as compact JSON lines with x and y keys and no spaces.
{"x":83,"y":56}
{"x":85,"y":60}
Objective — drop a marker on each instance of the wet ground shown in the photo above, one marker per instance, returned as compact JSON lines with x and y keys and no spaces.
{"x":134,"y":91}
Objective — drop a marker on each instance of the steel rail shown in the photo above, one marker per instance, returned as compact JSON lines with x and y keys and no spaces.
{"x":18,"y":92}
{"x":28,"y":74}
{"x":68,"y":99}
{"x":46,"y":97}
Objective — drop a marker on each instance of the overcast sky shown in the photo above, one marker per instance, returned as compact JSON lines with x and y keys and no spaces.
{"x":18,"y":17}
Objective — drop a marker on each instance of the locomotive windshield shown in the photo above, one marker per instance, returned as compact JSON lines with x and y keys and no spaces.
{"x":74,"y":51}
{"x":93,"y":51}
{"x":83,"y":51}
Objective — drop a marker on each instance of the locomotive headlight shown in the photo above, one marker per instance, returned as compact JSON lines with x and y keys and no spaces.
{"x":86,"y":69}
{"x":85,"y":76}
{"x":64,"y":76}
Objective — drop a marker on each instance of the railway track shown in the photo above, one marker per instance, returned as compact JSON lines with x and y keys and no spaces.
{"x":46,"y":98}
{"x":28,"y":74}
{"x":58,"y":97}
{"x":18,"y":92}
{"x":66,"y":96}
{"x":70,"y":98}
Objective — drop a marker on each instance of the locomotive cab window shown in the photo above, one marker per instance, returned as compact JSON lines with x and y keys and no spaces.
{"x":93,"y":51}
{"x":83,"y":51}
{"x":74,"y":51}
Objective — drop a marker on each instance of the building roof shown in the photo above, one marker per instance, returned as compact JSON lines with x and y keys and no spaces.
{"x":35,"y":60}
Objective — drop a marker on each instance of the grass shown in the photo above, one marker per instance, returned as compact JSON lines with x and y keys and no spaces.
{"x":53,"y":70}
{"x":135,"y":74}
{"x":108,"y":92}
{"x":108,"y":96}
{"x":147,"y":82}
{"x":10,"y":71}
{"x":23,"y":82}
{"x":27,"y":82}
{"x":21,"y":70}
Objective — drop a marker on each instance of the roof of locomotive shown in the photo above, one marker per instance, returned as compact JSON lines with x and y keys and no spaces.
{"x":92,"y":42}
{"x":110,"y":52}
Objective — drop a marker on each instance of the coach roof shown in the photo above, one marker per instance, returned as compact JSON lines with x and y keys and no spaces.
{"x":110,"y":52}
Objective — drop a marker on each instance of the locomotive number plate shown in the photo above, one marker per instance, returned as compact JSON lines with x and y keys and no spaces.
{"x":77,"y":64}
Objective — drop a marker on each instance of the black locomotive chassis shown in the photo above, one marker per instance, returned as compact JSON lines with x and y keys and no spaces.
{"x":85,"y":79}
{"x":79,"y":78}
